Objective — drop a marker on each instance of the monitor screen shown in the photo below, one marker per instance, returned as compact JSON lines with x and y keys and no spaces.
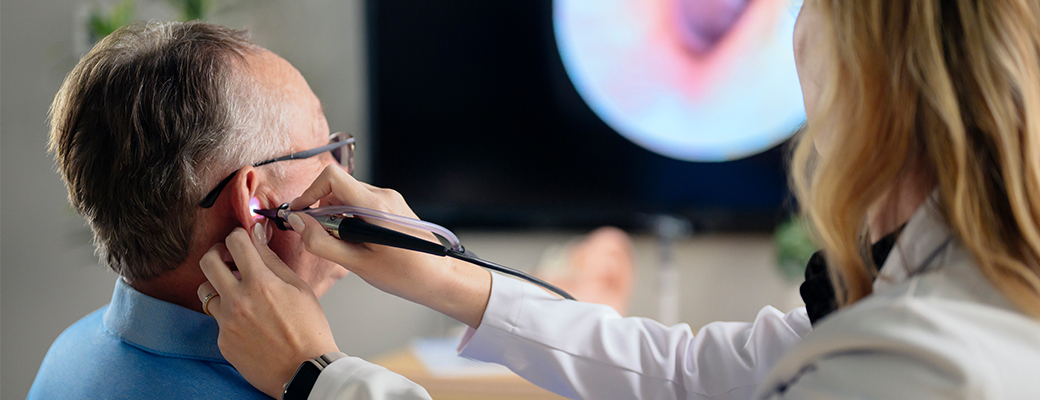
{"x":579,"y":113}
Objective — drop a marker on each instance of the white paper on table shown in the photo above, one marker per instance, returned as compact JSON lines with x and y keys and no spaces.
{"x":440,"y":357}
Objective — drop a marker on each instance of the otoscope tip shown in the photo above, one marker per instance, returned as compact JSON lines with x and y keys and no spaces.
{"x":269,"y":214}
{"x":272,"y":214}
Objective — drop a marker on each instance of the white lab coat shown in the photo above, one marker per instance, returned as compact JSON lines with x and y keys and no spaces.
{"x":934,"y":328}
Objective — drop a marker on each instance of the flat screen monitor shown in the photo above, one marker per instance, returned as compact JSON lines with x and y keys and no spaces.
{"x":580,"y":113}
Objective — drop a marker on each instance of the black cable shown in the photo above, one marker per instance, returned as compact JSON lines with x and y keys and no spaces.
{"x":462,"y":255}
{"x":352,"y":229}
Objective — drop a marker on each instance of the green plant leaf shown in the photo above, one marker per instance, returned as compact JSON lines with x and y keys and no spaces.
{"x":103,"y":23}
{"x":193,"y":9}
{"x":794,"y":247}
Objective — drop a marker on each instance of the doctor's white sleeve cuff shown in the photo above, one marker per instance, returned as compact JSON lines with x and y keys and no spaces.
{"x":352,"y":378}
{"x":503,"y":310}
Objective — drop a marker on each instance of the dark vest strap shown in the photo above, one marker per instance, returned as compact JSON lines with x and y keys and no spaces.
{"x":817,"y":292}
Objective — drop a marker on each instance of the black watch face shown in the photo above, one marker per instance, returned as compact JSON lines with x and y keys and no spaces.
{"x":302,"y":382}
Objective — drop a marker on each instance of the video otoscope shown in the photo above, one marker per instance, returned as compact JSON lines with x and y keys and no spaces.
{"x":345,"y":223}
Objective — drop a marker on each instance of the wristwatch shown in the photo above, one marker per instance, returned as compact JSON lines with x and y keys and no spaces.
{"x":303,"y":380}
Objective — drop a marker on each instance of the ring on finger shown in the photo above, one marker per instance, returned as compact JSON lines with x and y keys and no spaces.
{"x":205,"y":302}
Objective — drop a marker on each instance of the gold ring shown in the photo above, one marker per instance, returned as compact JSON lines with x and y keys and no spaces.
{"x":205,"y":302}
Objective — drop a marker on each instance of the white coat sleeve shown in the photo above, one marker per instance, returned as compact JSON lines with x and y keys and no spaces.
{"x":588,"y":351}
{"x":352,"y":378}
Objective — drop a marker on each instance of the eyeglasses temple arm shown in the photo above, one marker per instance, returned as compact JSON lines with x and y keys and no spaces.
{"x":211,"y":198}
{"x":307,"y":153}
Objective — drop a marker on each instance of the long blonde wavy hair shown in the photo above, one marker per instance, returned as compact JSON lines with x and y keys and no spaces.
{"x":950,"y":87}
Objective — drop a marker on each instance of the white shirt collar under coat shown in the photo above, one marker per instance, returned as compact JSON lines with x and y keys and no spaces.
{"x":924,"y":237}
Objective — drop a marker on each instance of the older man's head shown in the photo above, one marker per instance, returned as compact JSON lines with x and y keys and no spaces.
{"x":153,"y":118}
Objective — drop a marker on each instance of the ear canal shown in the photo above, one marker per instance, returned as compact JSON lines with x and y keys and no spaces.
{"x":254,"y":204}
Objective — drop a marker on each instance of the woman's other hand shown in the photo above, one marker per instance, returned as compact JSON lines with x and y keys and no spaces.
{"x":270,"y":320}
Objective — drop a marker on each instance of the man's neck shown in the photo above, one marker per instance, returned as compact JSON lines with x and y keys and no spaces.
{"x":179,"y":286}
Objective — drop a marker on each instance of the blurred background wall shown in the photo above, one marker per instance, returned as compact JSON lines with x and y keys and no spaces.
{"x":49,"y":276}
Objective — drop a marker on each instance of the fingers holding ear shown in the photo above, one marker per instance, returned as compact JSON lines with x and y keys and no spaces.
{"x":216,"y":270}
{"x":205,"y":289}
{"x":244,"y":252}
{"x":271,"y":259}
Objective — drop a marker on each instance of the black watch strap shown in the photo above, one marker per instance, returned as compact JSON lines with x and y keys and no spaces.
{"x":303,"y":380}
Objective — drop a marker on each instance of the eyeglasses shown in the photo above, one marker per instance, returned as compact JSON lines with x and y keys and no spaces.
{"x":339,"y":143}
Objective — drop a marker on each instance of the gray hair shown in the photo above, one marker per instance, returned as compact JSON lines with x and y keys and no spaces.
{"x":260,"y":132}
{"x":146,"y":123}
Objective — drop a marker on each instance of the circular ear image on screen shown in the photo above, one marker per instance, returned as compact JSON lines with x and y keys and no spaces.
{"x":695,"y":80}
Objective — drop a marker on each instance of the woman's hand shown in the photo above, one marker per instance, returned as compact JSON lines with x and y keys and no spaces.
{"x":456,"y":289}
{"x":270,"y":320}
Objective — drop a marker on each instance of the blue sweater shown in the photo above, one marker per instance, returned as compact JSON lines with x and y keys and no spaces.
{"x":139,"y":347}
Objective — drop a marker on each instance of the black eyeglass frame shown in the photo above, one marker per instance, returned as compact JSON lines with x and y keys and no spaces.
{"x":211,"y":197}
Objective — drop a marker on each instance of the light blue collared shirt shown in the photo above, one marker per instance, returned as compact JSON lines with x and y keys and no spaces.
{"x":139,"y":347}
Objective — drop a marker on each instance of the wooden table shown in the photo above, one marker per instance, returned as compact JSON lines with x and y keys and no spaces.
{"x":506,"y":387}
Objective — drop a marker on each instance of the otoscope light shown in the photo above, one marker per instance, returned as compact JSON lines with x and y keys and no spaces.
{"x":254,"y":204}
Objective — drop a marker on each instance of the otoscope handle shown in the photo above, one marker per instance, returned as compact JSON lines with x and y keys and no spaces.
{"x":352,"y":229}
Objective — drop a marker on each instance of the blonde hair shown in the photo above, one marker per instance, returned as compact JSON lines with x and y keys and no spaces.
{"x":948,"y":87}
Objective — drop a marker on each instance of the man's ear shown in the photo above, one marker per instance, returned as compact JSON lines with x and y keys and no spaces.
{"x":244,"y":187}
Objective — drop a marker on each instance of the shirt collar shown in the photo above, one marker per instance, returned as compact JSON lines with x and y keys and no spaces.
{"x":924,"y":238}
{"x":161,"y":327}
